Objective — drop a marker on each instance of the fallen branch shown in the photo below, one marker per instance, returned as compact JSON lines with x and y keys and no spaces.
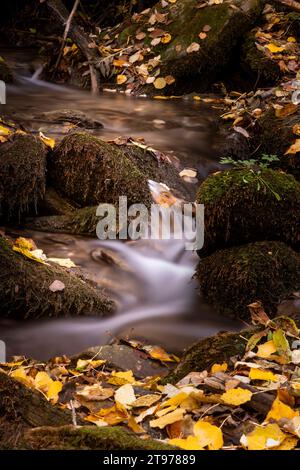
{"x":66,"y":32}
{"x":80,"y":38}
{"x":292,"y":4}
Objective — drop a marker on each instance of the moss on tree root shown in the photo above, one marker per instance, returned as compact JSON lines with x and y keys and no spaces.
{"x":22,"y":169}
{"x":25,"y":293}
{"x":240,"y":208}
{"x":90,"y":438}
{"x":231,"y":279}
{"x":89,"y":171}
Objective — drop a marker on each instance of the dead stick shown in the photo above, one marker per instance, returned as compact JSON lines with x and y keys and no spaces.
{"x":290,"y":4}
{"x":66,"y":32}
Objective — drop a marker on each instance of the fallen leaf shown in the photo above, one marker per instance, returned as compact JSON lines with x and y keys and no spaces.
{"x":280,"y":410}
{"x":294,"y":148}
{"x":236,"y":396}
{"x":208,"y":435}
{"x":169,"y":418}
{"x":64,"y":262}
{"x":219,"y":368}
{"x":57,"y":286}
{"x":47,"y":140}
{"x":193,"y":47}
{"x":145,"y":400}
{"x":259,"y":374}
{"x":121,"y":378}
{"x":262,"y":438}
{"x":190,"y":443}
{"x":83,"y":364}
{"x":266,"y":349}
{"x":125,"y":395}
{"x":202,"y":35}
{"x":273,"y":48}
{"x":166,"y":38}
{"x":121,"y":79}
{"x":95,"y":392}
{"x":159,"y":83}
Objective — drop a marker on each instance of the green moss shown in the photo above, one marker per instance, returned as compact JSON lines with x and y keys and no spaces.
{"x":90,"y":171}
{"x":90,"y":438}
{"x":25,"y":293}
{"x":233,"y":278}
{"x":240,"y":208}
{"x":22,"y":169}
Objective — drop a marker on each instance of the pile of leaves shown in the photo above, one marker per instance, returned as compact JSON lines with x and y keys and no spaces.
{"x":250,"y":402}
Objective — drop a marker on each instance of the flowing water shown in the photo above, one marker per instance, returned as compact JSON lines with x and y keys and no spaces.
{"x":151,"y":281}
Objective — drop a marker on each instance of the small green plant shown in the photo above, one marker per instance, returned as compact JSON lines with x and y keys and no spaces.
{"x":255,"y":168}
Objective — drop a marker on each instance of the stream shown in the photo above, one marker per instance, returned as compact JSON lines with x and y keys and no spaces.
{"x":150,"y":280}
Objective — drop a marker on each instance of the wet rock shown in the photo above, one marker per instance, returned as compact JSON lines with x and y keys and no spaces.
{"x":54,"y":204}
{"x":22,"y":169}
{"x":233,"y":278}
{"x":89,"y":171}
{"x":64,"y":116}
{"x":25,"y":289}
{"x":260,"y":69}
{"x":196,"y":70}
{"x":242,"y":206}
{"x":124,"y":358}
{"x":274,"y":135}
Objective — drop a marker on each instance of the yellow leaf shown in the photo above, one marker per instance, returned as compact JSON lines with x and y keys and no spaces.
{"x":219,"y":368}
{"x":156,"y":352}
{"x":20,"y":374}
{"x":166,"y":38}
{"x":259,"y":374}
{"x":296,"y":129}
{"x":121,"y":378}
{"x":64,"y":262}
{"x":160,"y":83}
{"x":262,"y":438}
{"x":54,"y":388}
{"x":291,"y":39}
{"x":145,"y":400}
{"x":11,"y":364}
{"x":265,"y":350}
{"x":169,"y":418}
{"x":42,"y":381}
{"x":47,"y":140}
{"x":89,"y":363}
{"x":190,"y":443}
{"x":176,"y":400}
{"x":208,"y":435}
{"x":289,"y":443}
{"x":236,"y":396}
{"x":26,"y":243}
{"x":280,"y":410}
{"x":121,"y":79}
{"x":125,"y":395}
{"x":197,"y":98}
{"x":28,"y":254}
{"x":170,"y":79}
{"x":286,"y":110}
{"x":134,"y":426}
{"x":273,"y":48}
{"x":4,"y":130}
{"x":94,"y":392}
{"x":294,"y":148}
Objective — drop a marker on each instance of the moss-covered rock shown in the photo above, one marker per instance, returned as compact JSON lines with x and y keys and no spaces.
{"x":22,"y":169}
{"x":5,"y":72}
{"x":196,"y":70}
{"x":233,"y":278}
{"x":25,"y":293}
{"x":274,"y":135}
{"x":243,"y":206}
{"x":259,"y":67}
{"x":90,"y":171}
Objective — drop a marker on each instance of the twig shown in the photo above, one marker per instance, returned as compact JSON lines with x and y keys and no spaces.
{"x":67,"y":28}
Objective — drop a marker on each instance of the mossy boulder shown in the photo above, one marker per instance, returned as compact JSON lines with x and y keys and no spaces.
{"x":25,"y":289}
{"x":5,"y":72}
{"x":22,"y":169}
{"x":274,"y":135}
{"x":233,"y":278}
{"x":243,"y":206}
{"x":260,"y":68}
{"x":90,"y":171}
{"x":185,"y":20}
